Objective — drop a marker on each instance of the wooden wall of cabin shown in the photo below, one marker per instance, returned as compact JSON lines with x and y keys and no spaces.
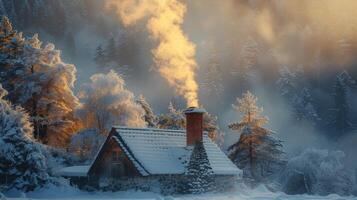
{"x":113,"y":163}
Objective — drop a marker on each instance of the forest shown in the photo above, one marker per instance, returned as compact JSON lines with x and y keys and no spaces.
{"x":277,"y":79}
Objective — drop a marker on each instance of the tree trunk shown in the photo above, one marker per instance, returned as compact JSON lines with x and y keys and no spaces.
{"x":251,"y":157}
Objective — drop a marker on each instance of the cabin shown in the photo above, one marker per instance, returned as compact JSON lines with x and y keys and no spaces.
{"x":152,"y":159}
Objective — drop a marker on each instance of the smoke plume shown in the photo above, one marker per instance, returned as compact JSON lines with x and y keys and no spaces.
{"x":174,"y":55}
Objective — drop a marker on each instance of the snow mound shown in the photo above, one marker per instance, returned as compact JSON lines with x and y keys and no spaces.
{"x":319,"y":172}
{"x":260,"y":193}
{"x":74,"y":171}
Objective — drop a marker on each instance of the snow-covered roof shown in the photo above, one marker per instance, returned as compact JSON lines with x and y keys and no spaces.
{"x":162,"y":151}
{"x":74,"y":171}
{"x":194,"y":110}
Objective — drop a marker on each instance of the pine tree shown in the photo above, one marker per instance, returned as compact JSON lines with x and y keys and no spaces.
{"x":22,"y":166}
{"x":150,"y":118}
{"x":257,"y":152}
{"x":249,"y":53}
{"x":199,"y":172}
{"x":111,"y":51}
{"x":293,"y":87}
{"x":174,"y":119}
{"x":213,"y":77}
{"x":127,"y":48}
{"x":211,"y":127}
{"x":341,"y":119}
{"x":247,"y":58}
{"x":304,"y":107}
{"x":11,"y":43}
{"x":289,"y":81}
{"x":11,"y":46}
{"x":100,"y":56}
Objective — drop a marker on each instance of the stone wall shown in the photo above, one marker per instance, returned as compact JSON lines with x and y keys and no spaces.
{"x":164,"y":184}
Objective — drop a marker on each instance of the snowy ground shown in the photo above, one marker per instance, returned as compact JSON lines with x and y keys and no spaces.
{"x":257,"y":194}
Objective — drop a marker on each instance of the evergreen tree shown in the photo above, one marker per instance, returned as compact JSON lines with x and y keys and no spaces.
{"x":304,"y":107}
{"x":149,"y":117}
{"x":199,"y":172}
{"x":211,"y":127}
{"x":249,"y":54}
{"x":174,"y":119}
{"x":11,"y":43}
{"x":38,"y":80}
{"x":127,"y":48}
{"x":100,"y":56}
{"x":213,"y":76}
{"x":293,"y":87}
{"x":111,"y":51}
{"x":22,"y":166}
{"x":341,"y":119}
{"x":247,"y":58}
{"x":257,"y":152}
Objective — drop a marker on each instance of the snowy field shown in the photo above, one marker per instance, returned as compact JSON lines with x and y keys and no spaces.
{"x":257,"y":194}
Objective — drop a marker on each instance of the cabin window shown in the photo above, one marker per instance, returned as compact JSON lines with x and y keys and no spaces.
{"x":116,"y":156}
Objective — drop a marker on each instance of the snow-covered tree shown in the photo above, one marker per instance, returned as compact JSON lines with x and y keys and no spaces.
{"x":106,"y":102}
{"x":249,"y":53}
{"x":211,"y":127}
{"x":38,"y":80}
{"x":304,"y":107}
{"x":149,"y":117}
{"x":174,"y":119}
{"x":292,"y":86}
{"x":213,"y":76}
{"x":341,"y":118}
{"x":289,"y":81}
{"x":52,"y":105}
{"x":118,"y":54}
{"x":257,"y":152}
{"x":247,"y":58}
{"x":199,"y":171}
{"x":22,"y":166}
{"x":86,"y":144}
{"x":11,"y":46}
{"x":319,"y":172}
{"x":11,"y":43}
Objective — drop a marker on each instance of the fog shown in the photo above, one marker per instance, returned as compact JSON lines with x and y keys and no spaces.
{"x":248,"y":41}
{"x":240,"y":45}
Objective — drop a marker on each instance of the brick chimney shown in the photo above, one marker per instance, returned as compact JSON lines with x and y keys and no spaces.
{"x":194,"y":125}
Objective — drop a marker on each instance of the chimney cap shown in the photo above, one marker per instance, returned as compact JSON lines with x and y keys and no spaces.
{"x":194,"y":110}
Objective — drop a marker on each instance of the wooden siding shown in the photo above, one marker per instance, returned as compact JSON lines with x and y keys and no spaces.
{"x":103,"y":166}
